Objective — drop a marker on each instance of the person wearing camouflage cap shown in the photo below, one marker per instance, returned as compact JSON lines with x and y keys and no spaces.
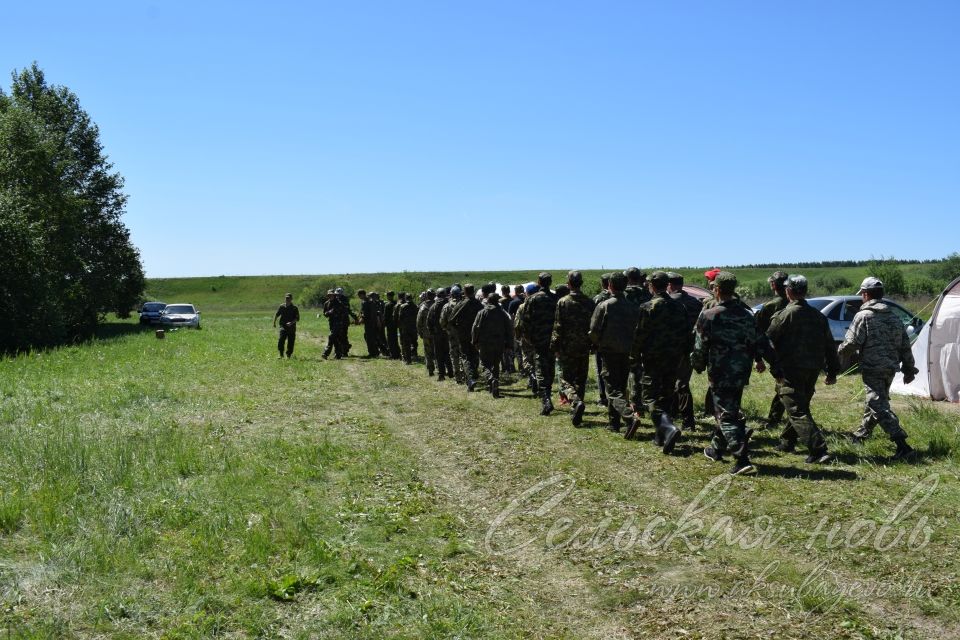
{"x":598,"y":362}
{"x":407,"y":327}
{"x":461,"y":319}
{"x":536,"y":325}
{"x":612,"y":328}
{"x":804,"y":344}
{"x":336,"y":309}
{"x":453,"y":341}
{"x":683,"y":398}
{"x":491,"y":333}
{"x":439,"y":336}
{"x":659,"y":344}
{"x":726,"y":343}
{"x":390,"y":324}
{"x":570,"y":341}
{"x":881,"y":340}
{"x":763,"y":317}
{"x":423,"y":332}
{"x":637,"y":293}
{"x":370,"y":319}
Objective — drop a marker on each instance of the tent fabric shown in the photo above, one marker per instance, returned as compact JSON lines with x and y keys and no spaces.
{"x":937,"y":352}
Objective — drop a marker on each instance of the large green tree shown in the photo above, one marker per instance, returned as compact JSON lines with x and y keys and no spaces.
{"x":65,"y":255}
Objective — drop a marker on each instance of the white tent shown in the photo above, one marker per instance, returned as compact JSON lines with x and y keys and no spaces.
{"x":937,"y":352}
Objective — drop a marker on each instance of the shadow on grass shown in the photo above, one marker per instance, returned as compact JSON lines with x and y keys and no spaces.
{"x":807,"y":473}
{"x":114,"y":330}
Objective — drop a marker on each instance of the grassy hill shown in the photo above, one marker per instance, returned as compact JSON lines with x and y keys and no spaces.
{"x":264,"y":293}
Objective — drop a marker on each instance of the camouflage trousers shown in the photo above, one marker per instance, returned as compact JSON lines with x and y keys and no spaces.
{"x":408,"y":346}
{"x":876,"y":407}
{"x":636,"y":386}
{"x":615,"y":373}
{"x":441,"y":355}
{"x":545,"y":369}
{"x":574,"y":368}
{"x":490,"y":361}
{"x":469,"y":359}
{"x":371,"y":335}
{"x":682,"y":405}
{"x":730,"y":432}
{"x":337,"y":341}
{"x":601,"y":386}
{"x":393,"y":343}
{"x":428,"y":353}
{"x":796,"y":391}
{"x":777,"y":407}
{"x":658,"y":384}
{"x":529,"y":355}
{"x":455,"y":357}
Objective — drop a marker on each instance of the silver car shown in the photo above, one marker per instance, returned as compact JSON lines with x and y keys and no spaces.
{"x":180,"y":315}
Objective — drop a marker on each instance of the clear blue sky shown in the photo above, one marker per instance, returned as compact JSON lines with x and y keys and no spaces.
{"x":268,"y":138}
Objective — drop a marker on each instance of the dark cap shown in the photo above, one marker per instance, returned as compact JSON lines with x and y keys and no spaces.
{"x":674,"y":278}
{"x":493,"y":298}
{"x":726,"y":282}
{"x":544,"y":277}
{"x":289,"y":295}
{"x":618,"y":281}
{"x":659,"y":279}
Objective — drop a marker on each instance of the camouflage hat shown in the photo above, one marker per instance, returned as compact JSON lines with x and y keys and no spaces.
{"x":778,"y":278}
{"x":674,"y":278}
{"x":659,"y":279}
{"x":493,"y":298}
{"x":331,"y":292}
{"x":634,"y":274}
{"x":544,"y":277}
{"x":618,"y":281}
{"x":442,"y":292}
{"x":797,"y":284}
{"x":605,"y":277}
{"x":726,"y":282}
{"x":870,"y":284}
{"x":289,"y":295}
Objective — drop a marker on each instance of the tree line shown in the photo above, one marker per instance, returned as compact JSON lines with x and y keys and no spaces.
{"x":66,"y":258}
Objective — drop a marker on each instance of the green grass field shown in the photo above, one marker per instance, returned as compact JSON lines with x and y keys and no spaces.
{"x":198,"y":487}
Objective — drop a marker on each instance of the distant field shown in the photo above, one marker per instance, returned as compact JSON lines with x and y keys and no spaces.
{"x":263,"y":293}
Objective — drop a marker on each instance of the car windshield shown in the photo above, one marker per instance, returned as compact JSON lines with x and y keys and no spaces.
{"x":179,"y":308}
{"x":153,"y":306}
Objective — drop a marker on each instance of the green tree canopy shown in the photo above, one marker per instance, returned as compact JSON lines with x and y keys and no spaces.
{"x":65,"y":255}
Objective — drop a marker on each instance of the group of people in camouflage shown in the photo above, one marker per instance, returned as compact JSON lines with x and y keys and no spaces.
{"x":647,"y":335}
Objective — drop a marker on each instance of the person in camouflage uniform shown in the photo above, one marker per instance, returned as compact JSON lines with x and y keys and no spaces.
{"x":461,"y":319}
{"x":612,"y":329}
{"x":456,"y":296}
{"x":381,"y":322}
{"x":570,"y":341}
{"x":491,"y":333}
{"x":659,"y":344}
{"x":423,"y":311}
{"x":370,"y":319}
{"x":518,"y":297}
{"x":636,"y":292}
{"x":597,"y":299}
{"x":508,"y":359}
{"x":528,"y":366}
{"x":441,"y":341}
{"x":536,"y":326}
{"x":336,"y":309}
{"x":763,"y":317}
{"x":407,"y":327}
{"x":390,"y":324}
{"x":683,"y":398}
{"x":726,"y":342}
{"x":801,"y":337}
{"x":884,"y":348}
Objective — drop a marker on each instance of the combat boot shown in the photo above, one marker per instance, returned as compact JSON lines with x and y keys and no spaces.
{"x":667,"y":434}
{"x":855,"y":439}
{"x":471,"y":383}
{"x":820,"y":456}
{"x":495,"y":389}
{"x":547,"y":406}
{"x":534,"y":386}
{"x":904,"y":451}
{"x":577,"y":416}
{"x":614,"y":424}
{"x":786,"y":446}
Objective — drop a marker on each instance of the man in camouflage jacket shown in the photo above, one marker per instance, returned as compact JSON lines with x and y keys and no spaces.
{"x":537,"y":316}
{"x":491,"y":334}
{"x":570,"y":341}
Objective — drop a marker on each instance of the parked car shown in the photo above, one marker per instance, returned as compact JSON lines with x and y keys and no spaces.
{"x":150,"y":312}
{"x":180,"y":315}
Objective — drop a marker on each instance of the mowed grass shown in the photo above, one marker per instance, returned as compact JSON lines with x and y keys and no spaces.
{"x":196,"y":486}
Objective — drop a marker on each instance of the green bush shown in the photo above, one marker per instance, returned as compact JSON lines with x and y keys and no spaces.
{"x":889,"y":273}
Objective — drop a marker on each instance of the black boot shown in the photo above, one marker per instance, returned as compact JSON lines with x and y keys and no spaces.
{"x":547,"y":406}
{"x":534,"y":387}
{"x":495,"y":388}
{"x":904,"y":451}
{"x":577,"y":416}
{"x":667,"y":434}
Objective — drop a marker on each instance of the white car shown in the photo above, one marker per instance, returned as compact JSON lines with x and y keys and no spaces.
{"x":180,"y":315}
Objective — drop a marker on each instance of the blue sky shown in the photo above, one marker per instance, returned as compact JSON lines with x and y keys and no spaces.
{"x":269,"y":138}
